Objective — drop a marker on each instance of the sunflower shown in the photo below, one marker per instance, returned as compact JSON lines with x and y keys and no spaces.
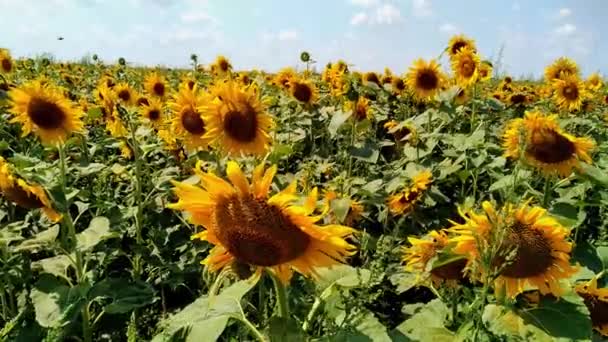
{"x":485,"y":71}
{"x":125,"y":94}
{"x":284,"y":77}
{"x":237,"y":119}
{"x":425,"y":79}
{"x":188,"y":123}
{"x":43,"y":109}
{"x":594,"y":82}
{"x":303,"y":90}
{"x":518,"y":99}
{"x":547,"y":147}
{"x":403,"y":202}
{"x":466,"y":65}
{"x":248,"y":226}
{"x":115,"y":125}
{"x":371,"y":77}
{"x":221,"y":66}
{"x":459,"y":42}
{"x":142,"y":101}
{"x":420,"y":255}
{"x":156,"y":85}
{"x":398,"y":85}
{"x":461,"y":97}
{"x":107,"y":81}
{"x":596,"y":301}
{"x":153,"y":112}
{"x":561,"y":67}
{"x":6,"y":62}
{"x":401,"y":131}
{"x":569,"y":92}
{"x":533,"y":251}
{"x":360,"y":109}
{"x":28,"y":196}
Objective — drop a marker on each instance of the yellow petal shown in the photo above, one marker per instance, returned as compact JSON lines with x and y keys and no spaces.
{"x":236,"y":176}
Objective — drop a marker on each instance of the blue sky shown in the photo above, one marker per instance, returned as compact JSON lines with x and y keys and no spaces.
{"x":370,"y":34}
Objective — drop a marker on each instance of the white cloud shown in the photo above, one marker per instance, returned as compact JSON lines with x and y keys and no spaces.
{"x":387,"y":14}
{"x":285,"y":35}
{"x":565,"y":30}
{"x":194,"y":17}
{"x":564,"y":12}
{"x":422,"y":8}
{"x":359,"y":18}
{"x":448,"y":28}
{"x":364,"y":3}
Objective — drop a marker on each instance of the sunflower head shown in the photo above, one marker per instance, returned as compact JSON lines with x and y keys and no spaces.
{"x":402,"y":131}
{"x":540,"y":142}
{"x":28,"y":196}
{"x":569,"y":92}
{"x":398,"y":85}
{"x":360,"y":108}
{"x":485,"y":71}
{"x":533,"y":251}
{"x":404,"y":201}
{"x":594,"y":82}
{"x":222,"y":65}
{"x":6,"y":62}
{"x":153,"y":112}
{"x":561,"y":67}
{"x":125,"y":94}
{"x":284,"y":77}
{"x":303,"y":90}
{"x":425,"y":79}
{"x":156,"y":85}
{"x":188,"y":123}
{"x":518,"y":99}
{"x":596,"y":300}
{"x":466,"y":65}
{"x":371,"y":77}
{"x":249,"y":226}
{"x":459,"y":42}
{"x":42,"y":108}
{"x":237,"y":119}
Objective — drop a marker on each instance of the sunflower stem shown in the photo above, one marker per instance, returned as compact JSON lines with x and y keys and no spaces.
{"x":474,"y":107}
{"x":547,"y":192}
{"x":70,"y":243}
{"x":281,"y":294}
{"x":352,"y":143}
{"x":138,"y":183}
{"x":254,"y":331}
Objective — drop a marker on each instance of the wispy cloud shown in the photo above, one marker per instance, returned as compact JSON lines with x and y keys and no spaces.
{"x":422,"y":8}
{"x":359,"y":18}
{"x":564,"y":12}
{"x":565,"y":29}
{"x":365,"y":3}
{"x":387,"y":14}
{"x":448,"y":28}
{"x":286,"y":35}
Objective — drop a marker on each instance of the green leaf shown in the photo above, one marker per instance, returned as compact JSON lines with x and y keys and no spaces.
{"x":285,"y":329}
{"x":206,"y":318}
{"x":501,"y":183}
{"x":40,"y":241}
{"x":98,"y":230}
{"x":338,"y":118}
{"x":590,"y":257}
{"x":428,"y":324}
{"x":57,"y":265}
{"x":567,"y":214}
{"x":504,"y":322}
{"x":368,"y":152}
{"x":55,"y":303}
{"x":368,"y":325}
{"x":594,"y":174}
{"x":125,"y":295}
{"x":344,"y":276}
{"x":340,"y":208}
{"x":404,"y":280}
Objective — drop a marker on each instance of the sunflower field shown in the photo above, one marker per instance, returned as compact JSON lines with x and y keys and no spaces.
{"x":444,"y":202}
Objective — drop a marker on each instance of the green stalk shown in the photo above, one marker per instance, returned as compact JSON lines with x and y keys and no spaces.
{"x":281,"y":293}
{"x":138,"y":184}
{"x":352,"y":142}
{"x":547,"y":192}
{"x":254,"y":331}
{"x":474,"y":107}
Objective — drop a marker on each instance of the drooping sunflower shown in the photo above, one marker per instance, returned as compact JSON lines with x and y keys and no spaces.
{"x":153,"y":112}
{"x":533,"y":249}
{"x":237,"y":120}
{"x":485,"y":71}
{"x":42,"y":108}
{"x":561,"y":67}
{"x":125,"y":94}
{"x":303,"y":90}
{"x":248,"y":226}
{"x":115,"y":126}
{"x":284,"y":76}
{"x":6,"y":61}
{"x":596,"y":301}
{"x":419,"y":256}
{"x":594,"y":82}
{"x":402,"y":131}
{"x":371,"y":77}
{"x":156,"y":85}
{"x":542,"y":143}
{"x":461,"y":97}
{"x":466,"y":65}
{"x":425,"y":79}
{"x":188,"y":123}
{"x":459,"y":42}
{"x":360,"y":108}
{"x":398,"y":85}
{"x":404,"y":201}
{"x":28,"y":196}
{"x":569,"y":92}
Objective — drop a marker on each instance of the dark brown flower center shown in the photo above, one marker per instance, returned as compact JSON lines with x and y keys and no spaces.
{"x":508,"y":79}
{"x":570,"y":92}
{"x":399,"y":84}
{"x":190,"y":84}
{"x":550,"y":147}
{"x":427,"y":80}
{"x":518,"y":98}
{"x":241,"y":125}
{"x":110,"y":83}
{"x":457,"y":46}
{"x":258,"y":233}
{"x":452,"y":270}
{"x":45,"y":114}
{"x":409,"y":197}
{"x":598,"y":309}
{"x":124,"y":95}
{"x":159,"y":89}
{"x":154,"y":114}
{"x":143,"y":101}
{"x":468,"y":68}
{"x":532,"y":252}
{"x":7,"y":66}
{"x":23,"y":198}
{"x":224,"y":65}
{"x":192,"y":121}
{"x":302,"y":92}
{"x":373,"y":78}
